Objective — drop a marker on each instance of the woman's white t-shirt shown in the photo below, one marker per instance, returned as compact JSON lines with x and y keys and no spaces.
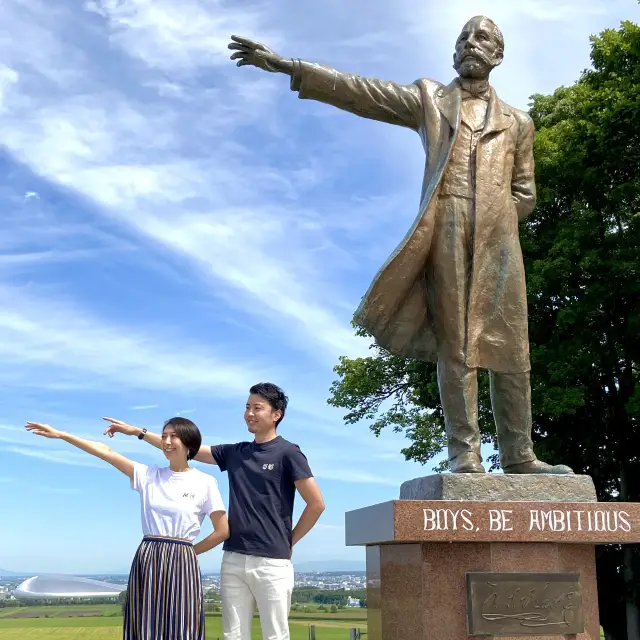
{"x":175,"y":503}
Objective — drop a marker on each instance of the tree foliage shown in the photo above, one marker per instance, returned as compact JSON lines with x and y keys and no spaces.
{"x":402,"y":394}
{"x":315,"y":595}
{"x":581,"y":248}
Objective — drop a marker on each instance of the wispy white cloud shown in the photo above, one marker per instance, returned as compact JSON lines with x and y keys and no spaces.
{"x":46,"y":257}
{"x":542,"y":10}
{"x":142,"y":161}
{"x":177,"y":37}
{"x":144,"y":407}
{"x":38,"y":333}
{"x":6,"y":428}
{"x":163,"y":149}
{"x":56,"y":456}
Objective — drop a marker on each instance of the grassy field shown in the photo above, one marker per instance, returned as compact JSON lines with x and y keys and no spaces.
{"x":111,"y":629}
{"x":104,"y":622}
{"x":83,"y":623}
{"x":76,"y":611}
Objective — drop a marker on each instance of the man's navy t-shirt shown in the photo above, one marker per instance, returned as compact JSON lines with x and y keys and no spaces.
{"x":261,"y":494}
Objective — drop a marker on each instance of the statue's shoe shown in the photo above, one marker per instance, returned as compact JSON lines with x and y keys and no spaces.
{"x":537,"y":466}
{"x":467,"y":463}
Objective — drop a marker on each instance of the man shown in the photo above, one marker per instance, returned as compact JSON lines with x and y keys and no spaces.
{"x":454,"y":290}
{"x":263,"y":477}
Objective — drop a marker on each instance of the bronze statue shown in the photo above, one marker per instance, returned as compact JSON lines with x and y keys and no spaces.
{"x":454,"y":289}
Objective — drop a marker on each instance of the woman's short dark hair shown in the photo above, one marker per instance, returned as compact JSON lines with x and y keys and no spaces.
{"x":188,"y":433}
{"x":274,"y":395}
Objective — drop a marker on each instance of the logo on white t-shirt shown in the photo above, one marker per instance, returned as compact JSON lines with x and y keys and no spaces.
{"x":267,"y":466}
{"x":189,"y":495}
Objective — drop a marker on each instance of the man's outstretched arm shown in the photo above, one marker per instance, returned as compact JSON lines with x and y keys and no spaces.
{"x":155,"y":439}
{"x":366,"y":97}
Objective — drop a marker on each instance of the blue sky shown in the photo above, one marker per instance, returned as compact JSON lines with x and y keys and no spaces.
{"x":176,"y":229}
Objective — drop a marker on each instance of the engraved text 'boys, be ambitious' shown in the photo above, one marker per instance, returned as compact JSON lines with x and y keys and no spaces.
{"x":555,"y":520}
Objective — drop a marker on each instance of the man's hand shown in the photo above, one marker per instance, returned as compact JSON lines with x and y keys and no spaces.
{"x":248,"y":52}
{"x":117,"y":426}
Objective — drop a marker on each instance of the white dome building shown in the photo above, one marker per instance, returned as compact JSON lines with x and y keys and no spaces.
{"x":56,"y":586}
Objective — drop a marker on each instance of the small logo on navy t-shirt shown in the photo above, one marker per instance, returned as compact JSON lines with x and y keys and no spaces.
{"x":266,"y":467}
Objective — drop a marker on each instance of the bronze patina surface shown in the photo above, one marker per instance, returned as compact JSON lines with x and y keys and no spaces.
{"x":453,"y":291}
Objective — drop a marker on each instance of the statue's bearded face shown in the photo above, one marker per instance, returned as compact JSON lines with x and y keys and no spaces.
{"x":479,"y":49}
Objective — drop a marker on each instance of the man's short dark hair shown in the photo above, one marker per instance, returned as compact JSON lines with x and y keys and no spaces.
{"x":188,"y":433}
{"x":274,"y":395}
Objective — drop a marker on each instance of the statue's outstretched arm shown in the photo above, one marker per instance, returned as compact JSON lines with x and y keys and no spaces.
{"x":366,"y":97}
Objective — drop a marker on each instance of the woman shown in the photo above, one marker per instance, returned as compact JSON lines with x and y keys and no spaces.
{"x":164,"y":596}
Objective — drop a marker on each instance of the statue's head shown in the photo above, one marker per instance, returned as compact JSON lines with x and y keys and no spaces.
{"x":479,"y":48}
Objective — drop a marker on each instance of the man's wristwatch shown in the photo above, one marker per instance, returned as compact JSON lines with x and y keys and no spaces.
{"x":142,"y":434}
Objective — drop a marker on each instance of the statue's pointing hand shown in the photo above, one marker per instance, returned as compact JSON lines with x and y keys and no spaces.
{"x":254,"y":53}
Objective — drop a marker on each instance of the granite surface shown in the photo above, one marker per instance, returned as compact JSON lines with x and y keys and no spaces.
{"x":461,"y":521}
{"x":500,"y":487}
{"x":418,"y":591}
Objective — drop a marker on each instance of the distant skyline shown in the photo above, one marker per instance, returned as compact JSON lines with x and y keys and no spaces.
{"x":327,"y":566}
{"x":176,"y":229}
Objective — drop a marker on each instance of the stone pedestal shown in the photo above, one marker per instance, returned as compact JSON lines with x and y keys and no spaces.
{"x":427,"y":559}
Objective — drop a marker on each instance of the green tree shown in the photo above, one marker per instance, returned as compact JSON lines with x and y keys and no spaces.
{"x":122,"y":599}
{"x":582,"y":248}
{"x":212,"y":595}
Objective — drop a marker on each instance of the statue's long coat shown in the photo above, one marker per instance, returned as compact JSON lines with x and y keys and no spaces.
{"x":394,"y":310}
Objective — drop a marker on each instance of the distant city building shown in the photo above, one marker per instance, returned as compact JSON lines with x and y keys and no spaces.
{"x":65,"y":586}
{"x":56,"y":586}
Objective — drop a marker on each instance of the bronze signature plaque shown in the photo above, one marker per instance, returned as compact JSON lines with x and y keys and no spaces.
{"x":521,"y":604}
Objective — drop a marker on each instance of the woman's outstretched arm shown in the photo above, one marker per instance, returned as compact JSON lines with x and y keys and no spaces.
{"x":97,"y":449}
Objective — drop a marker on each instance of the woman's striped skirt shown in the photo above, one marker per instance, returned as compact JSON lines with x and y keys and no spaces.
{"x":164,"y":596}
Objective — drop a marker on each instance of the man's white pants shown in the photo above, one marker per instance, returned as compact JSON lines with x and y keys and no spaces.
{"x":247,"y":581}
